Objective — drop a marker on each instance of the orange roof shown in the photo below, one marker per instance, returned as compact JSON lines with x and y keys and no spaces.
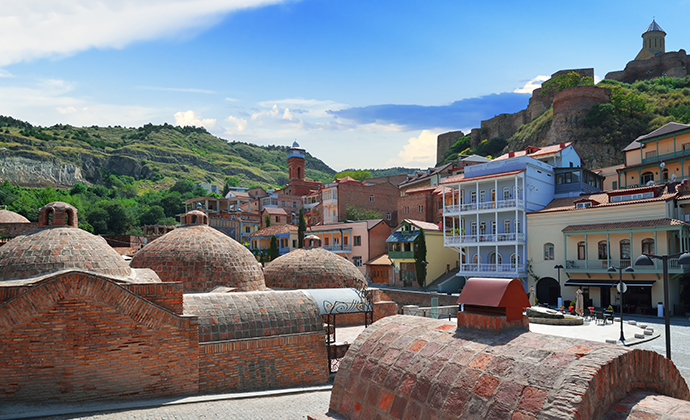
{"x":347,"y":179}
{"x":275,"y":211}
{"x":273,"y":230}
{"x":568,"y":203}
{"x":540,"y":151}
{"x":423,"y":225}
{"x":380,"y":260}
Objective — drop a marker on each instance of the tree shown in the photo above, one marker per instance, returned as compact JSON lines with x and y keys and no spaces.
{"x":301,"y":228}
{"x":152,"y":216}
{"x":420,"y":262}
{"x":273,"y":251}
{"x":230,"y":181}
{"x":268,"y":220}
{"x":358,"y":174}
{"x":354,"y":213}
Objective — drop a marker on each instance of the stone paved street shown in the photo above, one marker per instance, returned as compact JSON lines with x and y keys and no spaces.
{"x":285,"y":407}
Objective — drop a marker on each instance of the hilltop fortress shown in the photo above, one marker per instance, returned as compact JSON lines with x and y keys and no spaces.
{"x":571,"y":105}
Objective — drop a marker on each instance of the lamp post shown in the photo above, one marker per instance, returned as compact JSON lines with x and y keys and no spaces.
{"x":613,"y":269}
{"x":559,"y":268}
{"x":646,"y":260}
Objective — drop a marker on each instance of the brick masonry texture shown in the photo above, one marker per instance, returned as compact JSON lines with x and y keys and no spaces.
{"x":201,"y":258}
{"x":381,"y":310}
{"x":7,"y":216}
{"x":413,"y":367}
{"x":51,"y":249}
{"x":645,"y":406}
{"x":76,"y":336}
{"x":313,"y":268}
{"x":270,"y":362}
{"x":411,"y":297}
{"x":358,"y":195}
{"x":232,"y":316}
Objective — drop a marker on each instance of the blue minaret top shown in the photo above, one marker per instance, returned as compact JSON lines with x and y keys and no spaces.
{"x":296,"y":151}
{"x":654,"y":27}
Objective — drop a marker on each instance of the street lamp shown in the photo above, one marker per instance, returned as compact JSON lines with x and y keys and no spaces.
{"x":621,"y":290}
{"x":559,"y":268}
{"x":646,"y":259}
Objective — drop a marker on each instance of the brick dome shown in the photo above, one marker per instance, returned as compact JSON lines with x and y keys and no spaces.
{"x":201,"y":257}
{"x":7,"y":216}
{"x":52,"y":249}
{"x":313,"y":268}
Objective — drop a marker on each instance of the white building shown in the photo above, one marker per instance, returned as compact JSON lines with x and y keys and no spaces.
{"x":485,"y":208}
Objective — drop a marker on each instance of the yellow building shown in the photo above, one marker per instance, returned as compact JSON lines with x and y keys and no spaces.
{"x":660,"y":156}
{"x":586,"y":235}
{"x":402,"y":249}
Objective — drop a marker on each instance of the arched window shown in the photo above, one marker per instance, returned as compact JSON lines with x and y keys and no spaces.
{"x":493,"y":227}
{"x":603,"y":250}
{"x":476,"y":259}
{"x":646,"y":177}
{"x":625,"y":250}
{"x":648,"y":246}
{"x":514,"y":260}
{"x":495,"y":258}
{"x":581,"y":251}
{"x":299,"y":172}
{"x":664,"y":175}
{"x":548,"y":251}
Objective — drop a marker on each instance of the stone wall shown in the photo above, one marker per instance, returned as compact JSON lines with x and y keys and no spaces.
{"x":444,"y":142}
{"x":261,"y":363}
{"x":77,"y":337}
{"x":411,"y":297}
{"x":570,"y":107}
{"x":671,"y":64}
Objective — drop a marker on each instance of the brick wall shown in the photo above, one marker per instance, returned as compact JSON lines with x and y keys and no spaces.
{"x":260,"y":363}
{"x":358,"y":195}
{"x":167,"y":295}
{"x":381,"y":310}
{"x":77,"y":337}
{"x":412,"y":202}
{"x":377,"y":240}
{"x":409,"y":297}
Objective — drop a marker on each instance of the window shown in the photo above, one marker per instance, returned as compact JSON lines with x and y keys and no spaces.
{"x":646,"y":177}
{"x":357,"y":241}
{"x":326,"y":241}
{"x":625,"y":249}
{"x":581,"y":251}
{"x":473,"y":197}
{"x":506,"y":226}
{"x":614,"y":185}
{"x":389,"y":216}
{"x":583,"y":205}
{"x":482,"y":228}
{"x":603,"y":249}
{"x":473,"y":228}
{"x":294,"y":204}
{"x":345,"y":240}
{"x":482,"y":196}
{"x":247,"y":229}
{"x":406,"y":210}
{"x":294,"y":243}
{"x":495,"y":258}
{"x":493,"y":194}
{"x":517,"y":226}
{"x":493,"y":227}
{"x":420,"y":208}
{"x":277,"y":219}
{"x":476,"y":259}
{"x":664,"y":175}
{"x":648,"y":246}
{"x":686,"y":146}
{"x":548,"y":251}
{"x":357,"y":261}
{"x":514,"y":260}
{"x":283,"y":242}
{"x":371,"y":197}
{"x":506,"y":193}
{"x":650,"y":154}
{"x":282,"y":204}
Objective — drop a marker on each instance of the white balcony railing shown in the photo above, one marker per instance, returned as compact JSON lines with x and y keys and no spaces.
{"x":473,"y":239}
{"x":492,"y":268}
{"x":338,"y":247}
{"x":487,"y":205}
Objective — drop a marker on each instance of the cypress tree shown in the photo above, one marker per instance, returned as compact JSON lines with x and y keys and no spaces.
{"x":301,"y":228}
{"x":419,"y":257}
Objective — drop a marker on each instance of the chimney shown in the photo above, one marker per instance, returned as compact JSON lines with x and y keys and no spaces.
{"x":493,"y":304}
{"x":511,"y":154}
{"x":562,"y":145}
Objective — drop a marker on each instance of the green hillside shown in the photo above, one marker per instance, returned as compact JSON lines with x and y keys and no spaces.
{"x":157,"y":153}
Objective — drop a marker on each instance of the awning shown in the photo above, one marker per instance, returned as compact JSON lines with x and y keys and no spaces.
{"x":339,"y":300}
{"x":611,"y":283}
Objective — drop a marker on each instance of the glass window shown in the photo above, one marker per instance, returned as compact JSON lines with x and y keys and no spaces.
{"x":473,"y":197}
{"x":420,"y":208}
{"x":476,"y":259}
{"x":506,"y":193}
{"x":482,"y":228}
{"x":506,"y":226}
{"x":357,"y":261}
{"x":648,"y":246}
{"x":371,"y":197}
{"x":581,"y":251}
{"x":646,"y":177}
{"x":548,"y":251}
{"x":495,"y":258}
{"x":625,"y":249}
{"x":514,"y":260}
{"x":493,"y":227}
{"x":473,"y":228}
{"x":482,"y":196}
{"x":603,"y":248}
{"x":358,"y":241}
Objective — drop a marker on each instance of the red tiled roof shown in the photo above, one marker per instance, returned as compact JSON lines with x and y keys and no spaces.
{"x":429,"y":188}
{"x":543,"y":151}
{"x":625,"y":225}
{"x":275,"y":211}
{"x":477,"y":178}
{"x":273,"y":230}
{"x":380,"y":260}
{"x":568,"y":203}
{"x":423,"y":225}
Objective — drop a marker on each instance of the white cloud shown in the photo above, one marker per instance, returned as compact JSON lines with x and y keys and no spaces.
{"x":532,"y":84}
{"x":5,"y":73}
{"x":287,"y":115}
{"x":274,"y":111}
{"x":185,"y":90}
{"x":190,"y":117}
{"x":231,"y":99}
{"x":43,"y":28}
{"x":66,"y":110}
{"x":419,"y":151}
{"x":309,"y":107}
{"x":241,"y":124}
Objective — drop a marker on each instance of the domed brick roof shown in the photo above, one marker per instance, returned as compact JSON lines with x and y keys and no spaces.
{"x":7,"y":216}
{"x":51,"y":249}
{"x":313,"y":268}
{"x":59,"y":245}
{"x":201,"y":257}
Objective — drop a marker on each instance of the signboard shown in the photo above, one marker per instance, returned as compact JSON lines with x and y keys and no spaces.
{"x":625,"y":287}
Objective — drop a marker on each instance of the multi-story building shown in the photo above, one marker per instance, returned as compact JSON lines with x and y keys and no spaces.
{"x":485,"y":208}
{"x":298,"y":185}
{"x":286,"y":236}
{"x":660,"y":156}
{"x":587,"y":235}
{"x":338,"y":196}
{"x":402,"y":250}
{"x":229,"y":215}
{"x":277,"y":216}
{"x":358,"y":241}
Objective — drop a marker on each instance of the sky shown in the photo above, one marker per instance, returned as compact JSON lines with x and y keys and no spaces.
{"x":359,"y":84}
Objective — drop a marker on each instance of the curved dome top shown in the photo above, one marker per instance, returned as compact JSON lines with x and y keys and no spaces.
{"x":202,"y":258}
{"x":7,"y":216}
{"x":313,"y":268}
{"x":51,"y":249}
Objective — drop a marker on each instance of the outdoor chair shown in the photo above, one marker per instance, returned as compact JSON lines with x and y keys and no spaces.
{"x":608,"y":315}
{"x":600,"y":317}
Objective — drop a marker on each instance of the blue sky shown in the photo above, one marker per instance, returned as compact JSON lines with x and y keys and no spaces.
{"x":363,"y":84}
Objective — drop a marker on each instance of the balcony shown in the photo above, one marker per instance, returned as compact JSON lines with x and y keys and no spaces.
{"x":401,"y":255}
{"x":492,"y":270}
{"x":338,"y":248}
{"x":664,"y":157}
{"x":511,"y":204}
{"x":600,"y":266}
{"x":460,"y":240}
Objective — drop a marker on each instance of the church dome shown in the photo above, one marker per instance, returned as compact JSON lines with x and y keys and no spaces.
{"x":59,"y":245}
{"x":201,"y":257}
{"x":313,"y":268}
{"x":7,"y":216}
